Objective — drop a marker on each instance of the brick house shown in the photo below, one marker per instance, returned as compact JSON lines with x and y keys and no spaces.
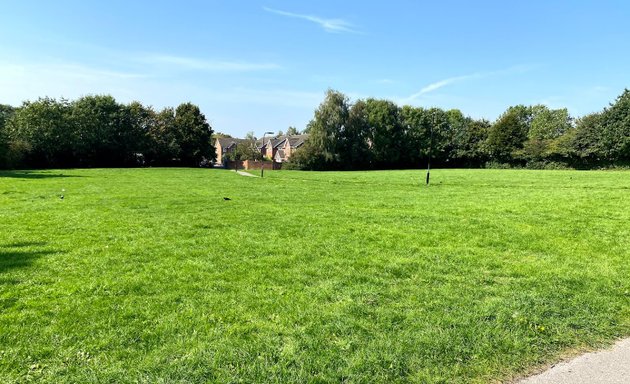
{"x":270,"y":146}
{"x":280,"y":148}
{"x":225,"y":145}
{"x":288,"y":146}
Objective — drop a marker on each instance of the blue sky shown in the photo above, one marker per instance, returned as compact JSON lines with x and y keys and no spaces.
{"x":265,"y":65}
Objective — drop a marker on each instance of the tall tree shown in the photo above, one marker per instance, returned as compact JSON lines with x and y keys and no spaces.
{"x":455,"y":136}
{"x":250,"y":136}
{"x":509,"y":132}
{"x":245,"y":150}
{"x":469,"y":145}
{"x":386,"y":132}
{"x":353,"y":144}
{"x":416,"y":123}
{"x":141,"y":119}
{"x":107,"y":136}
{"x":324,"y":130}
{"x":193,"y":134}
{"x":616,"y":129}
{"x":163,"y":144}
{"x":292,"y":131}
{"x":6,"y":111}
{"x":587,"y":144}
{"x":547,"y":125}
{"x":45,"y":129}
{"x":440,"y":143}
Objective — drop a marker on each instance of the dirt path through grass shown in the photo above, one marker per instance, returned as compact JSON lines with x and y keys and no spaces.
{"x":245,"y":174}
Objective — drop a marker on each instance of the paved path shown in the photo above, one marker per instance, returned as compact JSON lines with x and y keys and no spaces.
{"x":611,"y":366}
{"x":245,"y":174}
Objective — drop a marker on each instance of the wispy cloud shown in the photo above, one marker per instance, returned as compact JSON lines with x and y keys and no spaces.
{"x":443,"y":83}
{"x":458,"y":79}
{"x":329,"y":25}
{"x":210,"y":65}
{"x":27,"y":81}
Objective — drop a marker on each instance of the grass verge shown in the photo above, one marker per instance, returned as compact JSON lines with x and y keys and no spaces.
{"x":149,"y":275}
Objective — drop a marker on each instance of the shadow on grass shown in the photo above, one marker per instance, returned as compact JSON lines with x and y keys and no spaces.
{"x":23,"y":244}
{"x":33,"y":175}
{"x":14,"y":256}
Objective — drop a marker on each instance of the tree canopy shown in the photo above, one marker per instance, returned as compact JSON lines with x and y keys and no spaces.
{"x":375,"y":133}
{"x":97,"y":131}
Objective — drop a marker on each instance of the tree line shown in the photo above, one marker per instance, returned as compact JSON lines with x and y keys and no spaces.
{"x":378,"y":134}
{"x":97,"y":131}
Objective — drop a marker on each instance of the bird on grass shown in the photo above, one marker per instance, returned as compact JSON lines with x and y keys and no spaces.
{"x":226,"y":198}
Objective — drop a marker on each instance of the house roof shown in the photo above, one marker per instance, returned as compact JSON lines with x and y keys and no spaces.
{"x":274,"y":141}
{"x":260,"y":144}
{"x":297,"y":140}
{"x":227,"y":142}
{"x":277,"y":141}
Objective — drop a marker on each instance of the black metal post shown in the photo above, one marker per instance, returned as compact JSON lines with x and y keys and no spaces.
{"x":262,"y":161}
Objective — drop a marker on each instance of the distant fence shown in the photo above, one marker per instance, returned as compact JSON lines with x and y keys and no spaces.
{"x":252,"y":164}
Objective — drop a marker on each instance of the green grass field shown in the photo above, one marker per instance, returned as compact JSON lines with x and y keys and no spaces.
{"x":150,"y":276}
